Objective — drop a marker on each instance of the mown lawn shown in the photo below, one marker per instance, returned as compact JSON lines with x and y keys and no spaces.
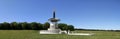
{"x":33,"y":34}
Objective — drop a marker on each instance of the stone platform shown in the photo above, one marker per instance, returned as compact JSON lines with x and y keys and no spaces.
{"x":50,"y":31}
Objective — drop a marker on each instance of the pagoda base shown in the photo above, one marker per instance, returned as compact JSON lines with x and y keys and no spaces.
{"x":50,"y":31}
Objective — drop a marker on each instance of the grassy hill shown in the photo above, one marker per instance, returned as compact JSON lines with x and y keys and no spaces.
{"x":33,"y":34}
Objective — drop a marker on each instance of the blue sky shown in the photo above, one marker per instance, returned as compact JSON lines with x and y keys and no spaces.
{"x":89,"y":14}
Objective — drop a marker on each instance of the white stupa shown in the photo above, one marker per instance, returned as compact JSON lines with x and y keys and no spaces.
{"x":55,"y":30}
{"x":53,"y":26}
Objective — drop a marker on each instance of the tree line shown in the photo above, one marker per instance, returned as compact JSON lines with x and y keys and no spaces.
{"x":97,"y":30}
{"x":32,"y":26}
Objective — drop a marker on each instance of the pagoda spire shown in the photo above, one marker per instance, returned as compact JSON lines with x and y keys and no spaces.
{"x":54,"y":14}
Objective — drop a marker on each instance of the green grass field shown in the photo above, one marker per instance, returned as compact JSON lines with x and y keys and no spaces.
{"x":32,"y":34}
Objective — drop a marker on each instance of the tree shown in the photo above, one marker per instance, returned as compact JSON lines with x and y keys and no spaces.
{"x":46,"y":25}
{"x":70,"y":27}
{"x":40,"y":26}
{"x":6,"y":26}
{"x":34,"y":25}
{"x":13,"y":25}
{"x":25,"y":26}
{"x":62,"y":26}
{"x":19,"y":26}
{"x":1,"y":26}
